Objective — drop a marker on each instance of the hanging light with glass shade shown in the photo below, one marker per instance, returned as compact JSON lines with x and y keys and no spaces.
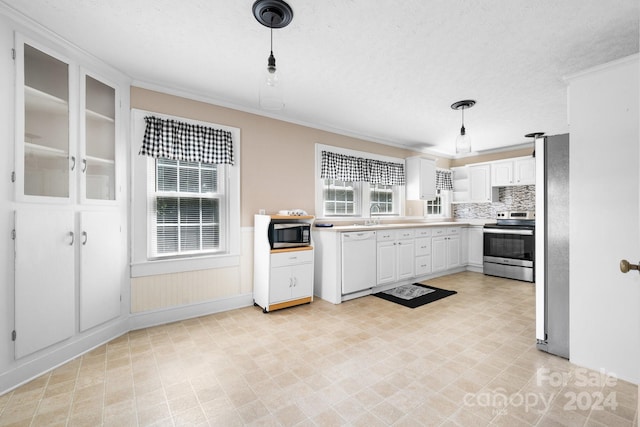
{"x":463,"y":141}
{"x":272,"y":14}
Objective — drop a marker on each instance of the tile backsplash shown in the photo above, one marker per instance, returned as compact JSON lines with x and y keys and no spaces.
{"x":518,"y":198}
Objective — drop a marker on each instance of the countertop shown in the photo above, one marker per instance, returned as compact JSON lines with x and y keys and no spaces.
{"x":362,"y":227}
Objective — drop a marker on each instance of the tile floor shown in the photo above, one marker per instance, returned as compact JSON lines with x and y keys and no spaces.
{"x":467,"y":360}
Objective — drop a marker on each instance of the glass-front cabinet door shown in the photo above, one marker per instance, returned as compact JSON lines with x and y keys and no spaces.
{"x":47,"y":162}
{"x":69,"y":117}
{"x":99,"y":137}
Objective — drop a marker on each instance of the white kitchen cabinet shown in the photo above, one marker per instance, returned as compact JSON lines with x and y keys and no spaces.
{"x":480,"y":183}
{"x":281,"y":277}
{"x":460,"y":177}
{"x":475,"y":245}
{"x":445,"y":252}
{"x":453,"y":252}
{"x":45,"y":246}
{"x":423,"y":251}
{"x":395,"y":255}
{"x":464,"y":246}
{"x":101,"y":246}
{"x":291,"y":276}
{"x":421,"y":178}
{"x":386,"y":262}
{"x":519,"y":171}
{"x":525,"y":171}
{"x":67,"y":145}
{"x":69,"y":149}
{"x":98,"y":126}
{"x":502,"y":174}
{"x":472,"y":183}
{"x":405,"y":258}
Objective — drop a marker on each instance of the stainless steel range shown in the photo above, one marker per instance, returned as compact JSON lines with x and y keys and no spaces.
{"x":509,"y":246}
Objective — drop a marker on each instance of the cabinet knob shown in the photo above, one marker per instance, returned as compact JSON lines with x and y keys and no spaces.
{"x":626,"y":266}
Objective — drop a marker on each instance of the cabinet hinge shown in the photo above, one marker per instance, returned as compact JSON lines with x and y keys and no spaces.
{"x":13,"y":53}
{"x":13,"y":176}
{"x":13,"y":234}
{"x":13,"y":335}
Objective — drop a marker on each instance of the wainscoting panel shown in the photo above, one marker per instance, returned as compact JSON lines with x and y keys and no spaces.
{"x":164,"y":291}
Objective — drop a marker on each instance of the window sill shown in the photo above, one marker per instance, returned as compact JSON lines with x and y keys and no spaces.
{"x":181,"y":265}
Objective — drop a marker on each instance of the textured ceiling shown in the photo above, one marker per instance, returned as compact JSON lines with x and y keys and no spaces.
{"x":384,"y":70}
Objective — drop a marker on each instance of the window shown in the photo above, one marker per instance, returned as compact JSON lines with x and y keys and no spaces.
{"x":185,"y":208}
{"x":440,"y":207}
{"x":344,"y":198}
{"x":185,"y":214}
{"x":382,"y":197}
{"x":434,"y":207}
{"x":356,"y":199}
{"x":341,"y":198}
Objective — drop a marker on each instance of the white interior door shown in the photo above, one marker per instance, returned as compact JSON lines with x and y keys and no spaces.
{"x":605,"y":208}
{"x":100,"y":267}
{"x":44,"y":278}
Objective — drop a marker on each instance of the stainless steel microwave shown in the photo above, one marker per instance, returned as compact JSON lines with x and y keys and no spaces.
{"x":289,"y":235}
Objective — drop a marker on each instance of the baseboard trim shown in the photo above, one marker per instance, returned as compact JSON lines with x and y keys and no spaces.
{"x":175,"y":314}
{"x":31,"y":367}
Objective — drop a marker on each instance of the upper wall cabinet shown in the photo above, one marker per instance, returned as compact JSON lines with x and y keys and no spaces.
{"x":472,"y":183}
{"x":98,"y":136}
{"x":421,"y":178}
{"x":520,"y":171}
{"x":480,"y":183}
{"x":66,"y":129}
{"x":44,"y":126}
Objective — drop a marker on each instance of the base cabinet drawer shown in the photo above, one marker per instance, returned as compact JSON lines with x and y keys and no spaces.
{"x":291,"y":258}
{"x":423,"y":265}
{"x":423,"y":246}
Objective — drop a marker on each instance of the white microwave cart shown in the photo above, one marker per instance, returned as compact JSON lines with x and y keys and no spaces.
{"x":281,"y":277}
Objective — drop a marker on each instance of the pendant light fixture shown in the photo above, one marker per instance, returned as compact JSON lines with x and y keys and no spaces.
{"x":463,"y":141}
{"x":272,"y":14}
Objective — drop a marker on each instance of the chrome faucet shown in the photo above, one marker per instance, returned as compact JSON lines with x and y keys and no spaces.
{"x":371,"y":220}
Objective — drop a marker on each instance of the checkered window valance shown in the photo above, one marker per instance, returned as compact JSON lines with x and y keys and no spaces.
{"x":352,"y":168}
{"x":444,"y":179}
{"x":171,"y":139}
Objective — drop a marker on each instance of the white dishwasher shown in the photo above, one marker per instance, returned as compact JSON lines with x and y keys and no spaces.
{"x":358,"y":261}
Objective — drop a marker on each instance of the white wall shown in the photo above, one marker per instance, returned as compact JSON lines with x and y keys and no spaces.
{"x":605,"y":217}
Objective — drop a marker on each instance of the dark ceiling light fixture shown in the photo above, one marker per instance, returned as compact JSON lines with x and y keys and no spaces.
{"x":534,"y":135}
{"x":463,"y":141}
{"x":272,"y":14}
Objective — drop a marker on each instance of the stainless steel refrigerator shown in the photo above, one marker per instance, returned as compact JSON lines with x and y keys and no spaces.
{"x":552,"y":244}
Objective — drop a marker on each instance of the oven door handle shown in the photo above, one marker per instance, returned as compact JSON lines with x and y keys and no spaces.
{"x":506,"y":231}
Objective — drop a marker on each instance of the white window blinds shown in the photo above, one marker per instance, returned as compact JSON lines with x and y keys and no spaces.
{"x":184,"y":208}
